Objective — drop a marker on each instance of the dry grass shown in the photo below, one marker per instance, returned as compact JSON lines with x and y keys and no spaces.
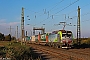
{"x":4,"y":43}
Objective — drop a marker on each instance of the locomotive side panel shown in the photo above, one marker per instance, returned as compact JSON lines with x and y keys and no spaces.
{"x":52,"y":38}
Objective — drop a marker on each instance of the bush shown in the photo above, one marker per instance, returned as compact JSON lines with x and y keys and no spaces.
{"x":88,"y":41}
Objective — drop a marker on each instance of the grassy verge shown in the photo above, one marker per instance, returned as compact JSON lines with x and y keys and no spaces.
{"x":16,"y":51}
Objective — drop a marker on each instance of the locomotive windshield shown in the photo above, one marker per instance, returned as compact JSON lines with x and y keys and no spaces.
{"x":67,"y":34}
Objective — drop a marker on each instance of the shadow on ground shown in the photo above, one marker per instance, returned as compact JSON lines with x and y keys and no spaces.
{"x":39,"y":55}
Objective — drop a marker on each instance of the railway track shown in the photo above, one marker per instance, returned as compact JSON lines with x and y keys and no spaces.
{"x":62,"y":55}
{"x":80,"y":51}
{"x":85,"y":51}
{"x":82,"y":54}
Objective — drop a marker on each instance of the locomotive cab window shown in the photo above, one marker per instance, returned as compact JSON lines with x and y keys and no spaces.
{"x":64,"y":34}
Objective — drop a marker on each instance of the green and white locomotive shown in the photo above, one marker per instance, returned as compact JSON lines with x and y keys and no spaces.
{"x":61,"y":38}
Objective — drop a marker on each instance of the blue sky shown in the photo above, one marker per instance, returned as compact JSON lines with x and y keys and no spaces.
{"x":10,"y":15}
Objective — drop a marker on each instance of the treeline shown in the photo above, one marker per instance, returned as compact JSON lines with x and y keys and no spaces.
{"x":6,"y":37}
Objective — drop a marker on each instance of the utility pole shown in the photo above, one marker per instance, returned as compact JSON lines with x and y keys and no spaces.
{"x":10,"y":30}
{"x":15,"y":35}
{"x":17,"y":32}
{"x":22,"y":26}
{"x":78,"y":28}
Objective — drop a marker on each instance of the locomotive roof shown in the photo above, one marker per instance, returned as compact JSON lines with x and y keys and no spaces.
{"x":63,"y":31}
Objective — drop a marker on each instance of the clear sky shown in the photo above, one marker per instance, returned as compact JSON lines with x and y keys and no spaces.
{"x":48,"y":12}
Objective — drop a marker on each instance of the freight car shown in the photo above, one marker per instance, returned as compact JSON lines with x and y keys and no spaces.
{"x":61,"y":38}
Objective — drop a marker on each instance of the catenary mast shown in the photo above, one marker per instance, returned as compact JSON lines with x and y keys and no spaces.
{"x":78,"y":27}
{"x":22,"y":25}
